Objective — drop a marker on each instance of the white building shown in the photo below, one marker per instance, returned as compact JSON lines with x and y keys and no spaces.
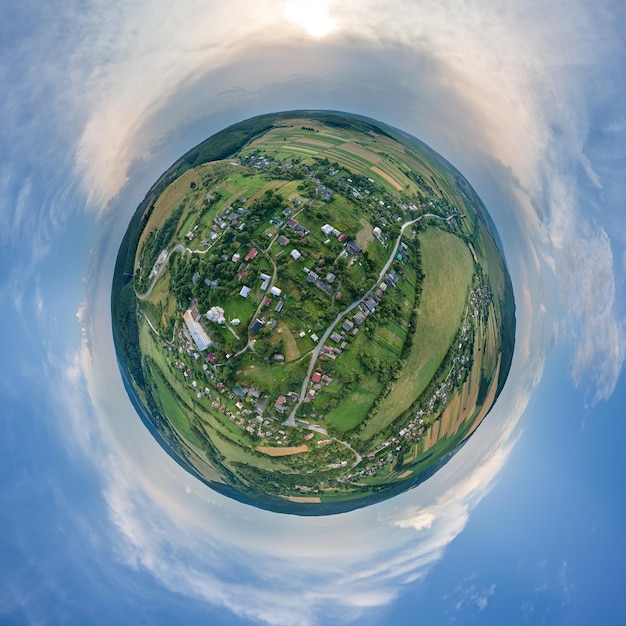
{"x":265,"y":281}
{"x":198,"y":334}
{"x":327,"y":229}
{"x":275,"y":291}
{"x":244,"y":291}
{"x":377,"y":232}
{"x":295,"y":254}
{"x":216,"y":314}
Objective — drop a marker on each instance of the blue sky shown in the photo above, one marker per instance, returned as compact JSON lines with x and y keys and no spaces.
{"x":524,"y":524}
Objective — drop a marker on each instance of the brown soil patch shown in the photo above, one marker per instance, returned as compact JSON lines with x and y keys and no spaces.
{"x":289,"y":341}
{"x":271,"y":451}
{"x":311,"y":499}
{"x":364,"y":237}
{"x":389,"y":179}
{"x":360,"y":152}
{"x":471,"y":247}
{"x":405,"y":474}
{"x":315,"y":142}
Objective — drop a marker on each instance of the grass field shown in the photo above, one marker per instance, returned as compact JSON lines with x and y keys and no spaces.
{"x":353,"y":409}
{"x":448,"y":270}
{"x":172,"y":409}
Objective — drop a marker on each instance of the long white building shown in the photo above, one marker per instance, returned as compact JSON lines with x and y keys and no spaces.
{"x":198,"y":334}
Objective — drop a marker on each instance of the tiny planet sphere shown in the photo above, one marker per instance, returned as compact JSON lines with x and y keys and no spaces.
{"x":311,"y":312}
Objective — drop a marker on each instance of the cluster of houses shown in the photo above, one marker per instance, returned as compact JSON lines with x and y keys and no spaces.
{"x":297,"y":228}
{"x":323,"y":285}
{"x":412,"y":432}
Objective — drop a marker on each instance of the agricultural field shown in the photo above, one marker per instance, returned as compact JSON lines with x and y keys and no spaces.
{"x":312,"y":311}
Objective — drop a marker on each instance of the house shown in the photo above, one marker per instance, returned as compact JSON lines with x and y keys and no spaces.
{"x":330,"y":278}
{"x":244,"y":291}
{"x":295,"y":254}
{"x":279,"y":306}
{"x":275,"y":291}
{"x":336,"y":337}
{"x":377,"y":232}
{"x":255,"y":394}
{"x":281,"y":404}
{"x":325,"y":287}
{"x":353,"y":248}
{"x":251,"y":255}
{"x":359,"y":318}
{"x":258,"y":324}
{"x":312,"y":277}
{"x":391,"y":279}
{"x":327,"y":229}
{"x":283,"y":241}
{"x":348,"y":325}
{"x":279,"y":358}
{"x":316,"y":377}
{"x":265,"y":281}
{"x":236,"y":257}
{"x":235,"y":322}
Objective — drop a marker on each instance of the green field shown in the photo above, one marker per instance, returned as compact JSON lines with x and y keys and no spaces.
{"x":353,"y":409}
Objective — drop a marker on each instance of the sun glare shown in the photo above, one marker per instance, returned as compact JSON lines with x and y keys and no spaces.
{"x":312,"y":16}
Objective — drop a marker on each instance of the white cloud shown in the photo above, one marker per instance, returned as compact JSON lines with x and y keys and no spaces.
{"x":585,"y":266}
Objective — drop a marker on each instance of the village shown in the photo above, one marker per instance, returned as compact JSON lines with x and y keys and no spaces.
{"x":262,"y":413}
{"x":314,"y":318}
